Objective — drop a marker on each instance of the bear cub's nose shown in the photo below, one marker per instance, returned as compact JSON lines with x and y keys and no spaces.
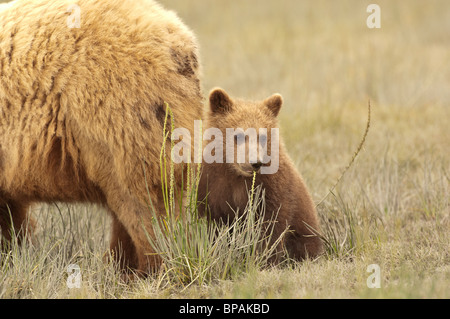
{"x":256,"y":166}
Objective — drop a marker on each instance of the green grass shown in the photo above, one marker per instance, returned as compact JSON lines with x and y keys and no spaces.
{"x":391,"y":207}
{"x":198,"y":252}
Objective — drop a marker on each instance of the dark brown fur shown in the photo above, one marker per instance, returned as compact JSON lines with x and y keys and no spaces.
{"x":226,"y":186}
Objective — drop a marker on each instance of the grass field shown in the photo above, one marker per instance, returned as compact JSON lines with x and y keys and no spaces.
{"x":391,"y":208}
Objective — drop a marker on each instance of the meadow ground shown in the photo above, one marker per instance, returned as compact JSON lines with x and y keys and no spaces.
{"x":391,"y":208}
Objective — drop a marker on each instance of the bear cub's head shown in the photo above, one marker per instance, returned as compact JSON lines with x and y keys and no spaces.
{"x":249,"y":130}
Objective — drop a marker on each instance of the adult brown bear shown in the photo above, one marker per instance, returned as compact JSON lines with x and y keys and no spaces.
{"x":82,"y":103}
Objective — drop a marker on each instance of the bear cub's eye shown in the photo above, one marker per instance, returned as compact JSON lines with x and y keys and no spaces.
{"x":263,"y":139}
{"x":239,"y":138}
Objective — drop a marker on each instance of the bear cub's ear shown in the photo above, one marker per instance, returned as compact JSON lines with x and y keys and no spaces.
{"x":274,"y":103}
{"x":220,"y":101}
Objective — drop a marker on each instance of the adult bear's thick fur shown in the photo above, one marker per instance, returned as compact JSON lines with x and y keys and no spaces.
{"x":82,"y":109}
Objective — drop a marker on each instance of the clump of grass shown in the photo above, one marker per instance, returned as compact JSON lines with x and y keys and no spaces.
{"x":198,"y":250}
{"x":339,"y":230}
{"x":355,"y":154}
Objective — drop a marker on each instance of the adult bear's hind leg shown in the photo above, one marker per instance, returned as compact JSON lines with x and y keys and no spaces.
{"x":15,"y":221}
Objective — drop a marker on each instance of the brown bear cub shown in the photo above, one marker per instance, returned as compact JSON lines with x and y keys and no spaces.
{"x":225,"y":183}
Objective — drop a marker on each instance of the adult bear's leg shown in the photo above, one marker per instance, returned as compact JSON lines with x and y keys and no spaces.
{"x":122,"y":246}
{"x":15,"y":221}
{"x":133,"y":221}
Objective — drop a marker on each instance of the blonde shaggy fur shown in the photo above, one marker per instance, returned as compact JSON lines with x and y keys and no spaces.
{"x":82,"y":109}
